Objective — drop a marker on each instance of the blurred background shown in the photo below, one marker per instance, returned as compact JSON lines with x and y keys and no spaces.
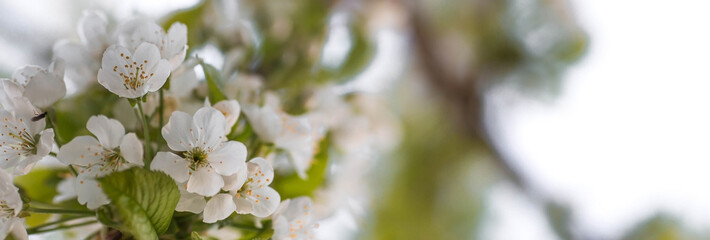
{"x":487,"y":119}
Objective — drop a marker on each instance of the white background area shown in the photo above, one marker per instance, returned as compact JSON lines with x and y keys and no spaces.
{"x":629,"y":136}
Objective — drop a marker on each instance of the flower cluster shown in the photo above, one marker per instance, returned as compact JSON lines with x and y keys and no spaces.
{"x":126,"y":99}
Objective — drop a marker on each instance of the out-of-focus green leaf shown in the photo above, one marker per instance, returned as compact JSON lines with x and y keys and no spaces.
{"x":293,"y":186}
{"x":145,"y":200}
{"x":214,"y":83}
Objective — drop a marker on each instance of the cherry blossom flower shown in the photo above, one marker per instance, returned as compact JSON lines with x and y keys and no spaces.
{"x":133,"y":74}
{"x":10,"y":208}
{"x":172,"y":45}
{"x":249,"y":193}
{"x":288,"y":133}
{"x":43,"y":87}
{"x":23,"y":142}
{"x":293,"y":220}
{"x":203,"y":157}
{"x":114,"y":151}
{"x":83,"y":59}
{"x":251,"y":190}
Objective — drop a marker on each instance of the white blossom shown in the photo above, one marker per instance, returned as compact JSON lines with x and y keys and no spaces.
{"x":172,"y":45}
{"x":288,"y":133}
{"x":230,"y":109}
{"x":133,"y":74}
{"x":10,"y":208}
{"x":43,"y":87}
{"x":111,"y":151}
{"x":84,"y":59}
{"x":23,"y":141}
{"x":203,"y":156}
{"x":293,"y":220}
{"x":251,"y":190}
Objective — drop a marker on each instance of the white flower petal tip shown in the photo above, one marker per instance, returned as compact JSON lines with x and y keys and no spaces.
{"x":42,"y":87}
{"x":133,"y":74}
{"x":230,"y":109}
{"x":218,"y":208}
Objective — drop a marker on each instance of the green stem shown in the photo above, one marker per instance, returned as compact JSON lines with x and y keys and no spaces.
{"x":59,"y":211}
{"x":61,"y":227}
{"x":51,"y":119}
{"x":146,"y":134}
{"x":54,"y":222}
{"x":245,"y":227}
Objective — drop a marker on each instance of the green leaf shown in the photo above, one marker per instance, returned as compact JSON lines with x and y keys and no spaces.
{"x":293,"y":186}
{"x":214,"y":83}
{"x":145,"y":200}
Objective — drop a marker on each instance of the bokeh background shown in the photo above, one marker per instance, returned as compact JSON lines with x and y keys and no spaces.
{"x":495,"y":119}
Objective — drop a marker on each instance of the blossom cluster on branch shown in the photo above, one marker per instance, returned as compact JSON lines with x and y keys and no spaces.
{"x":166,"y":153}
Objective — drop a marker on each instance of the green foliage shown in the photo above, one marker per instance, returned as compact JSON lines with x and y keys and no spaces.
{"x":72,"y":113}
{"x":293,"y":186}
{"x":40,"y":185}
{"x":145,"y":200}
{"x":214,"y":83}
{"x":265,"y":233}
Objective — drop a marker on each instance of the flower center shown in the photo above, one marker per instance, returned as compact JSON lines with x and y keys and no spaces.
{"x":136,"y":76}
{"x":5,"y":210}
{"x":26,"y":144}
{"x":112,"y":160}
{"x":197,"y":157}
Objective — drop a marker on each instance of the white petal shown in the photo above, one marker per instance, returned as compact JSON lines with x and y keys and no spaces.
{"x":235,"y":181}
{"x":179,"y":132}
{"x":147,"y":32}
{"x":230,"y":109}
{"x":171,"y":164}
{"x":132,"y":149}
{"x":260,"y":172}
{"x":22,"y":75}
{"x":228,"y":158}
{"x":183,"y":83}
{"x":161,"y":71}
{"x":46,"y":141}
{"x":218,"y":208}
{"x":265,"y":201}
{"x":66,"y":190}
{"x":190,"y":202}
{"x":82,"y":67}
{"x":89,"y":192}
{"x":24,"y":166}
{"x":114,"y":84}
{"x":82,"y":151}
{"x":92,"y":30}
{"x":211,"y":124}
{"x":17,"y":230}
{"x":175,"y":47}
{"x":108,"y":131}
{"x":45,"y":88}
{"x":265,"y":122}
{"x":205,"y":182}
